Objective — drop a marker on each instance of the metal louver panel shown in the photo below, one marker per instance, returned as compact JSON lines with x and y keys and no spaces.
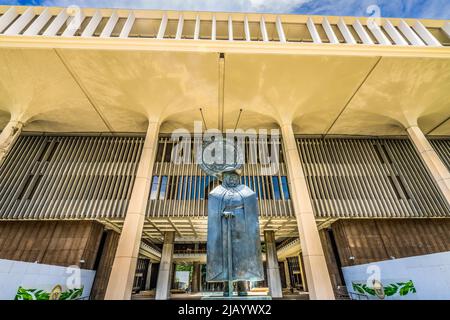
{"x":368,"y":178}
{"x":180,"y":190}
{"x":442,"y":148}
{"x":84,"y":177}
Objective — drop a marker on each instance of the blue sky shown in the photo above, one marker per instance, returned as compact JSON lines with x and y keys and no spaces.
{"x":433,"y":9}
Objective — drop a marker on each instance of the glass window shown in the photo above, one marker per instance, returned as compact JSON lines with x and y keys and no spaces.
{"x":168,"y":154}
{"x":256,"y":186}
{"x":202,"y":187}
{"x":162,"y":190}
{"x":276,"y":188}
{"x":154,"y":190}
{"x":284,"y":184}
{"x":180,"y":188}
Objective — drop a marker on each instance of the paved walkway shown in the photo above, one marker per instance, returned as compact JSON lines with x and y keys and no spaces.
{"x":198,"y":296}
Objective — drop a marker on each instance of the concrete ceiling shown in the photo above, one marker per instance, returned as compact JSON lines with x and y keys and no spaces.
{"x":74,"y":90}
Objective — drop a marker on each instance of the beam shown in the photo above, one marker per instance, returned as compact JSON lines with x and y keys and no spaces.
{"x":56,"y":24}
{"x":313,"y":31}
{"x":262,"y":24}
{"x":362,"y":32}
{"x":180,"y":27}
{"x":412,"y":37}
{"x":197,"y":28}
{"x":426,"y":35}
{"x":230,"y":28}
{"x":446,"y":28}
{"x":93,"y":24}
{"x":280,"y":30}
{"x":127,"y":26}
{"x":74,"y":24}
{"x":108,"y":29}
{"x":175,"y":227}
{"x":329,"y":31}
{"x":162,"y":27}
{"x":38,"y":24}
{"x":378,"y":33}
{"x":20,"y":23}
{"x":346,"y":32}
{"x":154,"y":226}
{"x":247,"y":29}
{"x":213,"y":28}
{"x":7,"y":18}
{"x":394,"y":34}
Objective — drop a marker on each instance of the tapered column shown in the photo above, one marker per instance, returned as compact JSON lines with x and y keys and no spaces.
{"x":316,"y":270}
{"x":196,"y":277}
{"x":8,"y":136}
{"x":148,"y":278}
{"x":287,"y":274}
{"x":434,"y":164}
{"x":165,"y":267}
{"x":120,"y":283}
{"x":273,"y":270}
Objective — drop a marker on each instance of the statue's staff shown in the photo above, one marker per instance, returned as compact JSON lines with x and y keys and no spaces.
{"x":228,"y":215}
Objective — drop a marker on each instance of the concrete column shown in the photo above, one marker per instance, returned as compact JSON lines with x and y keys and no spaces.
{"x":8,"y":136}
{"x":163,"y":284}
{"x":120,"y":283}
{"x":196,"y":277}
{"x":148,"y":278}
{"x":287,"y":274}
{"x":273,"y":270}
{"x":316,"y":270}
{"x":302,"y":272}
{"x":434,"y":164}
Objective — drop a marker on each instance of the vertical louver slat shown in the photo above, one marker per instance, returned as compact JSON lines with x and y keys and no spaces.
{"x":49,"y":177}
{"x":442,"y":148}
{"x":370,"y":178}
{"x":186,"y":186}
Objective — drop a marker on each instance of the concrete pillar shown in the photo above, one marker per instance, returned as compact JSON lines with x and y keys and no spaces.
{"x":8,"y":136}
{"x":302,"y":272}
{"x":287,"y":274}
{"x":316,"y":270}
{"x":148,"y":278}
{"x":434,"y":164}
{"x":196,"y":277}
{"x":163,"y":284}
{"x":173,"y":277}
{"x":120,"y":283}
{"x":273,"y":270}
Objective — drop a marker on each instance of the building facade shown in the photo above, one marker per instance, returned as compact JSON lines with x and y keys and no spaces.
{"x":90,"y":100}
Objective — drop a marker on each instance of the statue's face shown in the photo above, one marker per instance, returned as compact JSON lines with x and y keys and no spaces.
{"x":231,"y":180}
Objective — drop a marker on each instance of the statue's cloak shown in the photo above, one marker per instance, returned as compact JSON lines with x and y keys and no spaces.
{"x":246,"y":242}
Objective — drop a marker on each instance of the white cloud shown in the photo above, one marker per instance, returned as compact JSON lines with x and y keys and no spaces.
{"x":275,"y":6}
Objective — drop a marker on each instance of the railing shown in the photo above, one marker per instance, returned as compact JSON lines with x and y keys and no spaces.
{"x":102,"y":23}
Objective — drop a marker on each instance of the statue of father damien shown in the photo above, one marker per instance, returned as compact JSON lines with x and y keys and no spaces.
{"x":234,"y":245}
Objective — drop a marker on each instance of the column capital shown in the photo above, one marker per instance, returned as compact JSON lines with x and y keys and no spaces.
{"x":434,"y":164}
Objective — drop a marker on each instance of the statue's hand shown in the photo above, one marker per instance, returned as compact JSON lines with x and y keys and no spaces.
{"x":228,"y":214}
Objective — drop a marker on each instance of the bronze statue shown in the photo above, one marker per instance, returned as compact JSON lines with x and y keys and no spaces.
{"x":234,"y":245}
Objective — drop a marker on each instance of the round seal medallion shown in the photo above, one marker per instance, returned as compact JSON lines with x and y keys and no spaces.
{"x":219,"y":156}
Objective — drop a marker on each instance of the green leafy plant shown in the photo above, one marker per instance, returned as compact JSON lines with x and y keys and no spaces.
{"x":36,"y":294}
{"x":402,"y":288}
